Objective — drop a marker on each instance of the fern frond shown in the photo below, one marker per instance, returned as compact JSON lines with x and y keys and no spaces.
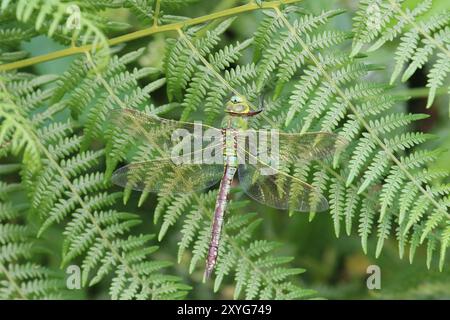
{"x":258,"y":272}
{"x":62,"y":20}
{"x":19,"y":277}
{"x":203,"y":85}
{"x":69,"y":186}
{"x":356,"y":180}
{"x":180,"y":64}
{"x":381,"y":181}
{"x":320,"y":99}
{"x":283,"y":47}
{"x":420,"y":38}
{"x":14,"y":132}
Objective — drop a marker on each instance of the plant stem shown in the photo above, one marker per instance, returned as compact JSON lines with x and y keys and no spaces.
{"x":156,"y":14}
{"x":419,"y":92}
{"x":146,"y":32}
{"x":9,"y":168}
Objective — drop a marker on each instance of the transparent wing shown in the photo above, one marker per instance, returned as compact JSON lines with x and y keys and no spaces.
{"x":291,"y":147}
{"x":278,"y":189}
{"x":152,"y":176}
{"x":163,"y":135}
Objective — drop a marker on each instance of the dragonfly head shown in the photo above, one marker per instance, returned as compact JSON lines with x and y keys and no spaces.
{"x":236,"y":106}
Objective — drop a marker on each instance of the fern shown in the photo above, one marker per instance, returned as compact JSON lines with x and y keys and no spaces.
{"x":148,"y":11}
{"x":257,"y":271}
{"x":20,"y":278}
{"x":117,"y":150}
{"x":67,"y":185}
{"x":318,"y":97}
{"x":381,"y":186}
{"x":52,"y":18}
{"x":420,"y":38}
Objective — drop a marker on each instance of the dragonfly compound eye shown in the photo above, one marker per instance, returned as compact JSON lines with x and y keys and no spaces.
{"x":235,"y":99}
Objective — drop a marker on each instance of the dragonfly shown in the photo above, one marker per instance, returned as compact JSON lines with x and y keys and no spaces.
{"x":188,"y":157}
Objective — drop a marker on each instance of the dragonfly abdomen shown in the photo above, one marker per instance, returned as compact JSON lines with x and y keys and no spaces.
{"x":219,"y":212}
{"x":221,"y":202}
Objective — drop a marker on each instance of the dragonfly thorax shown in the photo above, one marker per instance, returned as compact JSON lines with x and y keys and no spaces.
{"x":234,"y":122}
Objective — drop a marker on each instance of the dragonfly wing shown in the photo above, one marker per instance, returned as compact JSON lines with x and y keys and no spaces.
{"x":292,"y":147}
{"x":279,"y":190}
{"x":156,"y":175}
{"x":163,"y":135}
{"x":310,"y":146}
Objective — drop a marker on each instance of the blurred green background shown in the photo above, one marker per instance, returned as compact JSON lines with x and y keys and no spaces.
{"x":336,"y":267}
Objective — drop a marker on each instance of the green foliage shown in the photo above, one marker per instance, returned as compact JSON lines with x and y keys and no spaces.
{"x":146,"y":10}
{"x":20,"y":278}
{"x":377,"y":22}
{"x":195,"y":231}
{"x":259,"y":274}
{"x":381,"y":186}
{"x":68,"y":188}
{"x":76,"y":23}
{"x":318,"y":98}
